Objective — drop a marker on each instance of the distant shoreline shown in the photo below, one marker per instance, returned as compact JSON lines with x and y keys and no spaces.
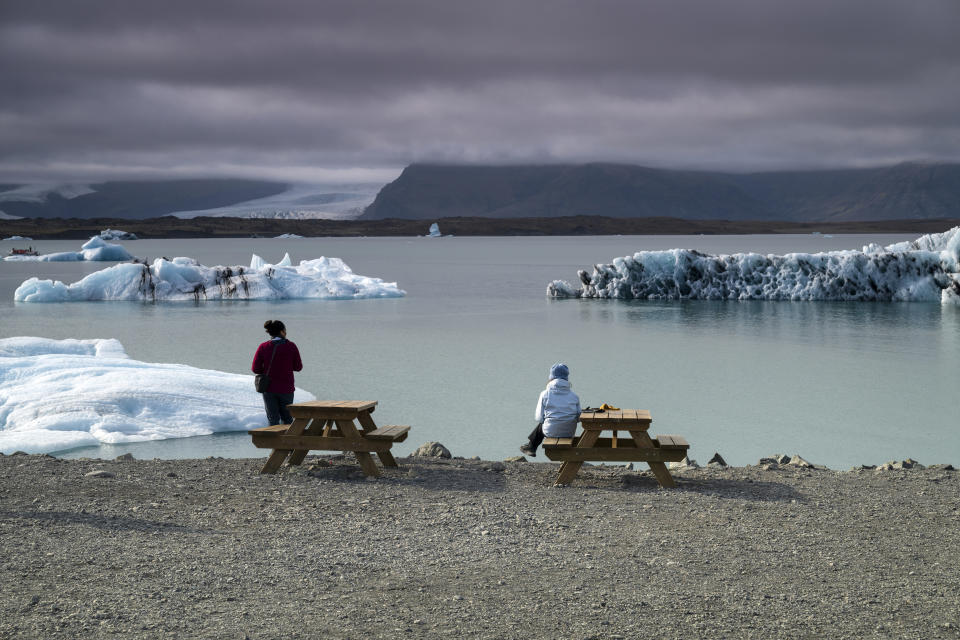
{"x":221,"y":227}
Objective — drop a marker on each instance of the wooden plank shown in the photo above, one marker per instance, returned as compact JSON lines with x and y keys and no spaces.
{"x":620,"y":454}
{"x":366,"y":461}
{"x":387,"y":459}
{"x":297,"y":426}
{"x":274,"y":428}
{"x":315,"y":428}
{"x":358,"y":405}
{"x":677,"y":441}
{"x":366,"y":422}
{"x":613,"y":443}
{"x":393,"y":433}
{"x":663,"y":441}
{"x":663,"y":476}
{"x":558,"y":442}
{"x":568,"y":470}
{"x":320,"y":443}
{"x":274,"y":460}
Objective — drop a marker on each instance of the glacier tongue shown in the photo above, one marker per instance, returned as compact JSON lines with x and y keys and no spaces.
{"x":187,"y":279}
{"x":925,"y":269}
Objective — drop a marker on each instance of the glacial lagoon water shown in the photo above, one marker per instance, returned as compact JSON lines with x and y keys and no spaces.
{"x":463,"y":356}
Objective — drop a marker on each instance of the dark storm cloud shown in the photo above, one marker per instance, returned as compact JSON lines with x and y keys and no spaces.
{"x":296,"y":88}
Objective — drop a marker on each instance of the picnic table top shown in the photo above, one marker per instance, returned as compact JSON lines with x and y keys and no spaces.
{"x":620,"y":419}
{"x":333,"y":409}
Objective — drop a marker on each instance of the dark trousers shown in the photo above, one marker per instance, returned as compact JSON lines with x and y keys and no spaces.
{"x":536,"y":436}
{"x":276,"y":406}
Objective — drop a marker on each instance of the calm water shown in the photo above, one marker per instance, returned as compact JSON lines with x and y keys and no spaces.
{"x":464,"y":355}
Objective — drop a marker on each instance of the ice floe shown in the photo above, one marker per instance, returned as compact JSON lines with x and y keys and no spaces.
{"x":925,"y":269}
{"x":61,"y":394}
{"x":288,"y":236}
{"x":96,"y":249}
{"x":187,"y":279}
{"x":15,"y":238}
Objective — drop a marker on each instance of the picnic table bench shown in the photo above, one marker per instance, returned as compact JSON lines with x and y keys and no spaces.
{"x":637,"y":447}
{"x":329,"y":426}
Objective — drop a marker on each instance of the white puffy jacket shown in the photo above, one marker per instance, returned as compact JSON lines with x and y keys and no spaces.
{"x":558,"y":409}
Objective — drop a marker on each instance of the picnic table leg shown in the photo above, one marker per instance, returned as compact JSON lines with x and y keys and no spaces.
{"x":367,"y":423}
{"x":279,"y":455}
{"x":315,"y":429}
{"x":642,"y":438}
{"x":350,"y":432}
{"x":569,"y":469}
{"x":275,"y":460}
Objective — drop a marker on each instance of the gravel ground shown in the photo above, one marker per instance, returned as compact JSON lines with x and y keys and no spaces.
{"x":474,"y":549}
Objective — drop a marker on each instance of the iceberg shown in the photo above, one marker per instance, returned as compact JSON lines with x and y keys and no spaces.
{"x":288,"y":236}
{"x":94,"y":250}
{"x":434,"y":231}
{"x":116,"y":234}
{"x":17,"y":238}
{"x":61,"y":394}
{"x":187,"y":279}
{"x":926,"y":269}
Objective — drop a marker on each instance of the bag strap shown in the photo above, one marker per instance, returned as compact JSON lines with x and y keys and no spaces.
{"x":275,"y":345}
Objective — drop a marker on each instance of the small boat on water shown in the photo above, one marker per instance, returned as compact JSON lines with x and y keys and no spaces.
{"x":24,"y":252}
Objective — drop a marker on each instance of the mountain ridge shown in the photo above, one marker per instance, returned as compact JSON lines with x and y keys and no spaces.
{"x":908,"y":190}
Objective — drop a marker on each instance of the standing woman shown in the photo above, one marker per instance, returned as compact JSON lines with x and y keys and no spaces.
{"x":278,"y":358}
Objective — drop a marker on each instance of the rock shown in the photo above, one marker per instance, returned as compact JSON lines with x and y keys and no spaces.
{"x":864,"y":467}
{"x":797,"y":461}
{"x":942,"y":467}
{"x":19,"y":453}
{"x":125,"y":457}
{"x":894,"y":465}
{"x":320,"y":464}
{"x":777,"y":458}
{"x":686,"y":463}
{"x":717,"y":459}
{"x":431,"y":450}
{"x":496,"y":466}
{"x":99,"y":473}
{"x":515,"y":459}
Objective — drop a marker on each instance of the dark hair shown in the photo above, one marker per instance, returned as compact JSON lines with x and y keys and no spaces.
{"x":274,"y":327}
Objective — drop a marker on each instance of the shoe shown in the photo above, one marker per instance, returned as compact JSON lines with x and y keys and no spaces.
{"x":527,"y":450}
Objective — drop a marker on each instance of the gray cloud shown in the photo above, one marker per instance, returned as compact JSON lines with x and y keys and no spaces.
{"x":118,"y":88}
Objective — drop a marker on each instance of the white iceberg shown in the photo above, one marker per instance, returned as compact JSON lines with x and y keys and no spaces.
{"x":116,"y":234}
{"x":434,"y":231}
{"x":15,"y":238}
{"x":288,"y":236}
{"x":925,"y":269}
{"x":61,"y":394}
{"x":186,"y":279}
{"x":94,"y":250}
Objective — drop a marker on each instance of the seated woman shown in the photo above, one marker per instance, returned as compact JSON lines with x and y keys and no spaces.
{"x":558,"y":410}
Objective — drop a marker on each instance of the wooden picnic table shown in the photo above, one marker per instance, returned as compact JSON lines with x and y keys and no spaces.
{"x":329,"y":426}
{"x":637,"y":447}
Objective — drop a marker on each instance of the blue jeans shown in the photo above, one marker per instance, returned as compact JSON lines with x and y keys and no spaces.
{"x":276,"y":406}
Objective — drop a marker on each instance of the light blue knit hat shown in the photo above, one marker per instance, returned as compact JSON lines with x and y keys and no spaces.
{"x":559,"y":370}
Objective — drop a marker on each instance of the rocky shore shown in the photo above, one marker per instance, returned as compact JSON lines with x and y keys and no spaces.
{"x":475,"y":549}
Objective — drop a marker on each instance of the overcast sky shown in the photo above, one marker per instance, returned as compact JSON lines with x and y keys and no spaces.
{"x":326,"y":90}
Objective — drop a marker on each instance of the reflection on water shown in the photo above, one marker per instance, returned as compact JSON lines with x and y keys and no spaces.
{"x":464,"y":355}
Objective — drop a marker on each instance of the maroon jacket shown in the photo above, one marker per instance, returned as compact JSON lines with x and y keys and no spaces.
{"x":284,"y":364}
